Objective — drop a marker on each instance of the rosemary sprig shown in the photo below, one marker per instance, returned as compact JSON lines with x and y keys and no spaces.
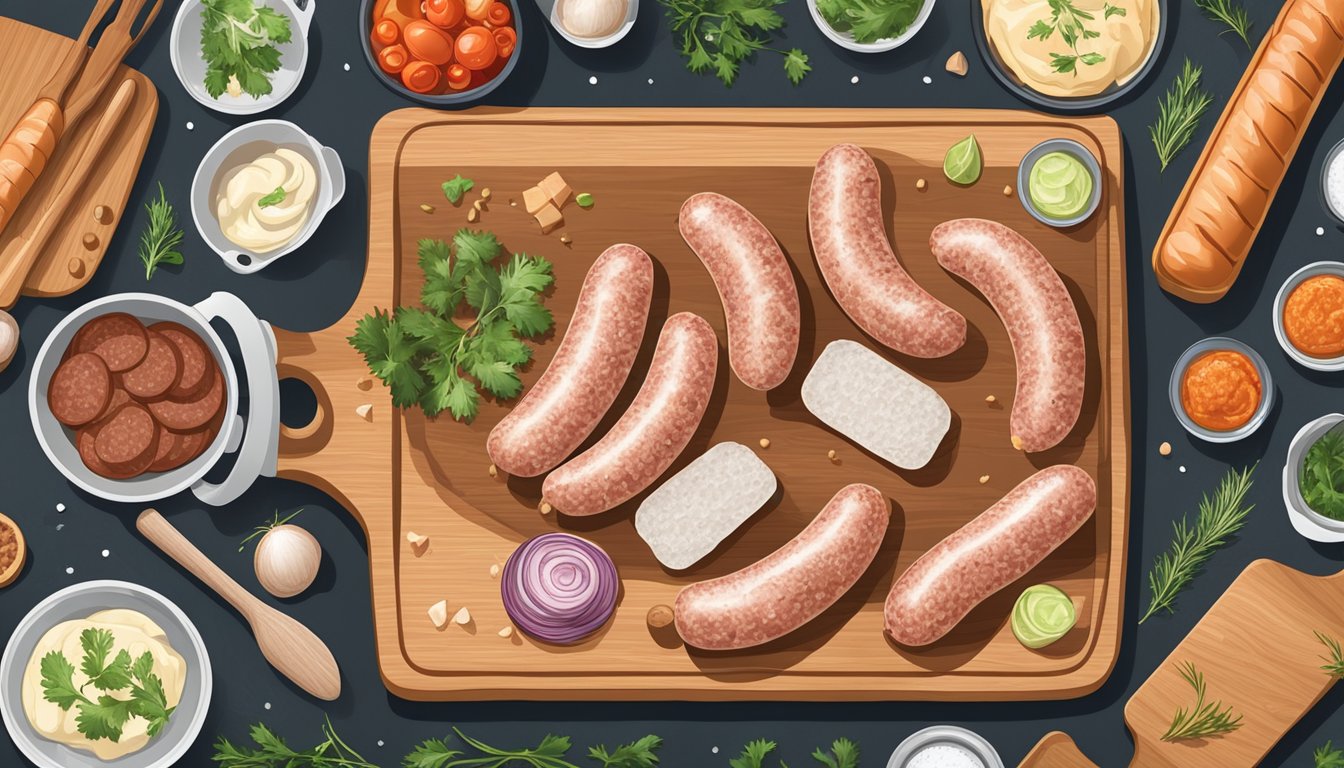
{"x":1333,"y":666}
{"x":160,"y":240}
{"x":1326,"y":756}
{"x":1231,"y":13}
{"x":1219,"y":518}
{"x":1201,"y":720}
{"x":1179,"y":113}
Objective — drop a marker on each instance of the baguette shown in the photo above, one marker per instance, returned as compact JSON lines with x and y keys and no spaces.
{"x":1224,"y":204}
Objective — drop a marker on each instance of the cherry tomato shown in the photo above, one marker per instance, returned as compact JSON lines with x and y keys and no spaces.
{"x":420,"y":76}
{"x":386,"y":32}
{"x":505,"y":40}
{"x":445,"y":13}
{"x":393,"y":59}
{"x":459,"y":77}
{"x":428,"y":42}
{"x":498,"y":14}
{"x":476,"y":48}
{"x":478,"y":9}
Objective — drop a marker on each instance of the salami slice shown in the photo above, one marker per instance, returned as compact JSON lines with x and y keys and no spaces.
{"x":183,"y":447}
{"x":127,"y":438}
{"x":118,"y":338}
{"x":157,"y":373}
{"x":118,"y":399}
{"x":191,"y":416}
{"x":79,"y":390}
{"x":198,"y":365}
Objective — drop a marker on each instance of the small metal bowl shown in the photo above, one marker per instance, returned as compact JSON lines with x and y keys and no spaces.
{"x":1068,"y":147}
{"x":1214,"y":344}
{"x":1307,"y":521}
{"x":555,"y":16}
{"x":10,"y":573}
{"x":1301,"y":358}
{"x":1330,"y":157}
{"x":945,"y":735}
{"x":846,"y":40}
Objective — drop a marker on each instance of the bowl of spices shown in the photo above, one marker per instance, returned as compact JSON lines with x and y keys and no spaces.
{"x":1309,"y":316}
{"x":13,"y":551}
{"x":1220,"y":390}
{"x":945,"y":746}
{"x":1059,"y":183}
{"x":1313,"y":479}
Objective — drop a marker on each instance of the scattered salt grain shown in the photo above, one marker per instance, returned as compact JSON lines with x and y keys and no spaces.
{"x":191,"y":126}
{"x":650,"y":81}
{"x":1320,"y":231}
{"x":267,"y":705}
{"x":59,"y":526}
{"x":1182,"y":467}
{"x":380,"y":741}
{"x":106,"y":553}
{"x":928,"y":80}
{"x":714,"y":750}
{"x":69,"y":571}
{"x":592,"y":80}
{"x":347,"y":66}
{"x":60,"y":507}
{"x":854,"y":80}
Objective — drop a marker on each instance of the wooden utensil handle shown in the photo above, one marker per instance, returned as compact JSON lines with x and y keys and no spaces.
{"x":158,"y":530}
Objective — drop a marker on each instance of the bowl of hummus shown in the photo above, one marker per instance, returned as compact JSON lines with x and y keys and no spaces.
{"x":1070,"y":55}
{"x":147,"y":658}
{"x":262,"y":191}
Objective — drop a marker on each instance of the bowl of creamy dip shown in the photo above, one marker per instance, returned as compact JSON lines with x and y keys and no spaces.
{"x":945,"y":746}
{"x":1059,"y":182}
{"x":105,"y":618}
{"x":262,"y":191}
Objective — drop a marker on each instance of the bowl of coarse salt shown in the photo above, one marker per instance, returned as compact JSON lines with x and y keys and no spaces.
{"x":1332,"y":182}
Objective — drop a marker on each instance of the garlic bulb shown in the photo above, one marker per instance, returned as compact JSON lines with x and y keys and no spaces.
{"x":287,"y":560}
{"x":591,"y":18}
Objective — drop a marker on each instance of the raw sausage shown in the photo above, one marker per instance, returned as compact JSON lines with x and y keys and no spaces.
{"x":987,"y":554}
{"x":588,"y":369}
{"x":653,"y":432}
{"x":1041,"y":319}
{"x":794,"y":584}
{"x":79,"y":390}
{"x":157,"y":373}
{"x":118,"y":338}
{"x":856,"y":260}
{"x":760,"y":298}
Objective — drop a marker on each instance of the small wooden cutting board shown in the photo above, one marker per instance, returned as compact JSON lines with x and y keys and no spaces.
{"x":1259,"y":654}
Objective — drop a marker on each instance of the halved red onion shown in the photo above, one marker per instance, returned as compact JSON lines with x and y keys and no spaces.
{"x":559,"y":588}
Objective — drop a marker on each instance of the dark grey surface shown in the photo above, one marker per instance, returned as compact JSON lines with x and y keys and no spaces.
{"x":312,"y":287}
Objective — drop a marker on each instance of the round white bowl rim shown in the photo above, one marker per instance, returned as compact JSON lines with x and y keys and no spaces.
{"x":1281,"y":298}
{"x":595,"y":43}
{"x":847,"y":41}
{"x":954,"y":734}
{"x":1211,"y":344}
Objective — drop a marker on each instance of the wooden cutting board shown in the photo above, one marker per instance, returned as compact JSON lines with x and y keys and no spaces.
{"x":27,"y":54}
{"x":400,"y":472}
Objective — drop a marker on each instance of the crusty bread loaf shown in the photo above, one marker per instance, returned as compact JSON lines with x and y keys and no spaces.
{"x":1224,"y":203}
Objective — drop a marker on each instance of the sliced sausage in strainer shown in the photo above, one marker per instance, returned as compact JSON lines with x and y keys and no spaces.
{"x":118,"y":338}
{"x":198,"y":365}
{"x":79,"y":390}
{"x":157,"y":373}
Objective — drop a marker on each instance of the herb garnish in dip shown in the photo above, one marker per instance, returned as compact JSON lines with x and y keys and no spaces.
{"x":1221,"y":390}
{"x":1322,"y":479}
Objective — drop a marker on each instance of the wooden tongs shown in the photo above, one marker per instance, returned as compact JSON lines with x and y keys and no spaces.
{"x":76,"y":84}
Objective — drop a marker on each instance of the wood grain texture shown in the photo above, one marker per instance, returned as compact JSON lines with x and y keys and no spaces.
{"x":401,"y":472}
{"x":1269,"y":616}
{"x":27,"y":54}
{"x":1056,"y":750}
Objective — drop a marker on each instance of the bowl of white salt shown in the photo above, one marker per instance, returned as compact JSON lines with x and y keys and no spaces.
{"x":1332,"y":182}
{"x":945,"y":746}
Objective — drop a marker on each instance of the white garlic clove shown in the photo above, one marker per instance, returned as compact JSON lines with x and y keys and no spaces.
{"x":462,"y":617}
{"x":438,"y":613}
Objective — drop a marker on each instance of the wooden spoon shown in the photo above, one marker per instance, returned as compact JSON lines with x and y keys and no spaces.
{"x":289,"y":646}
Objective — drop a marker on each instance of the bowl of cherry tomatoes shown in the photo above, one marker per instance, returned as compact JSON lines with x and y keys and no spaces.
{"x":441,"y":52}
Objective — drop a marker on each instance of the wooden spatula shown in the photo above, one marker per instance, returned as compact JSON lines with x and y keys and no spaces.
{"x":289,"y":646}
{"x":1259,"y":654}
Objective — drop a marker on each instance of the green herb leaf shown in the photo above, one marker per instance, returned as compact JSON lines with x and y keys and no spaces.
{"x":1334,"y":665}
{"x":162,"y":237}
{"x":58,"y":684}
{"x":718,"y":35}
{"x":1068,"y":19}
{"x":238,"y":43}
{"x":753,"y":755}
{"x":1326,"y":756}
{"x":275,"y":198}
{"x":1179,"y":113}
{"x":1230,"y":13}
{"x":1322,"y":478}
{"x":455,"y":188}
{"x":844,"y":754}
{"x":868,"y":21}
{"x":272,"y":752}
{"x":1202,"y":720}
{"x":103,"y":719}
{"x":584,"y":200}
{"x":1113,"y":10}
{"x":636,"y":754}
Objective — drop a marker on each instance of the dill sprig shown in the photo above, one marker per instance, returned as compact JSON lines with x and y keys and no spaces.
{"x":1178,"y":114}
{"x":1333,"y":666}
{"x":1219,"y":518}
{"x":160,"y":240}
{"x":1231,"y":13}
{"x":1201,"y":720}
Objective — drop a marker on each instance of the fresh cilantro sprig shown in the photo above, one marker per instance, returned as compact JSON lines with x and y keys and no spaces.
{"x":844,"y":754}
{"x":868,"y":21}
{"x":272,"y":752}
{"x":105,"y":716}
{"x":636,"y":754}
{"x":718,"y":35}
{"x":238,"y":41}
{"x":1070,"y":22}
{"x":1322,"y":478}
{"x":456,"y":187}
{"x":430,"y":361}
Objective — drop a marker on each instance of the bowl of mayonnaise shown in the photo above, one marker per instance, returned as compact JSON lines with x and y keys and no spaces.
{"x":262,"y":191}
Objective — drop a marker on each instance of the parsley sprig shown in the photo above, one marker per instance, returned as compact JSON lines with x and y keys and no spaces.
{"x":640,"y":753}
{"x":101,"y":715}
{"x":868,"y":21}
{"x":430,"y":361}
{"x":238,"y":42}
{"x":272,"y":752}
{"x":1202,"y":720}
{"x":1070,"y":22}
{"x":718,"y":35}
{"x":1322,"y":478}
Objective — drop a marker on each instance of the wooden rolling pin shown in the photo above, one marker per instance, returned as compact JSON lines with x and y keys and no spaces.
{"x":290,"y":647}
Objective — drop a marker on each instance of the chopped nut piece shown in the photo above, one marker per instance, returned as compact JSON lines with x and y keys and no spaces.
{"x":494,"y":571}
{"x":1017,"y":442}
{"x":479,"y":205}
{"x":513,"y":203}
{"x":991,"y":399}
{"x":463,"y":617}
{"x":565,"y":239}
{"x":493,"y":470}
{"x":426,"y":207}
{"x":365,"y":383}
{"x":556,"y":189}
{"x":545,"y":508}
{"x":534,"y":200}
{"x":506,"y":632}
{"x":831,"y":454}
{"x":921,"y":184}
{"x":1008,"y":190}
{"x":438,"y":613}
{"x":485,"y":193}
{"x":660,"y":616}
{"x":984,"y":479}
{"x":365,"y":411}
{"x":765,"y":442}
{"x":549,"y":218}
{"x":419,"y":544}
{"x":957,"y":64}
{"x":473,"y":215}
{"x":1164,"y":448}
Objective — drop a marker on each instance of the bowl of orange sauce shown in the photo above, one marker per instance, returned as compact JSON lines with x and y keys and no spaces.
{"x":1309,"y":316}
{"x":441,"y":52}
{"x":1221,"y":390}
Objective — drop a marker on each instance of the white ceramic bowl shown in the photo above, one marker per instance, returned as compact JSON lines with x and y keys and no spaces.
{"x":185,"y":51}
{"x":945,"y":735}
{"x":552,"y":10}
{"x":1307,"y":521}
{"x":846,"y":40}
{"x":1068,"y":147}
{"x":78,"y":602}
{"x":1301,"y":358}
{"x":1212,"y":344}
{"x":242,"y":145}
{"x":1330,"y":158}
